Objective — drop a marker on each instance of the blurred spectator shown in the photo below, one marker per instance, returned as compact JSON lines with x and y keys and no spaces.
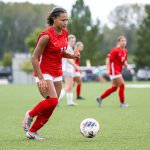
{"x":100,"y":72}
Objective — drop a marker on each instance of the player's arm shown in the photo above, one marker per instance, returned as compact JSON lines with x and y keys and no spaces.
{"x":73,"y":64}
{"x":107,"y":62}
{"x":70,"y":56}
{"x":42,"y":43}
{"x":126,"y":64}
{"x":110,"y":57}
{"x":126,"y":59}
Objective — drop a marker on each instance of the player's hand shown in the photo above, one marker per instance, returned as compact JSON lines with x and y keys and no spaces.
{"x":42,"y":84}
{"x":78,"y":68}
{"x":127,"y":67}
{"x":77,"y":54}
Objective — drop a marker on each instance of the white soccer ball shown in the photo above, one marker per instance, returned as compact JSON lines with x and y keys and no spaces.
{"x":89,"y":127}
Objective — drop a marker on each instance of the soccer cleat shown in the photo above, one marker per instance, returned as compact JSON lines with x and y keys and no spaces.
{"x":33,"y":135}
{"x":80,"y":98}
{"x":124,"y":105}
{"x":99,"y":101}
{"x":27,"y":121}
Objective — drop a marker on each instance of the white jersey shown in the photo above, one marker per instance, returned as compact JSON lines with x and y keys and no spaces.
{"x":66,"y":66}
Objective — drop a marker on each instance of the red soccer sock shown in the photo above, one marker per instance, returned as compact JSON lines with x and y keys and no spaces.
{"x":41,"y":120}
{"x":42,"y":106}
{"x":121,"y":93}
{"x":78,"y":90}
{"x":108,"y":92}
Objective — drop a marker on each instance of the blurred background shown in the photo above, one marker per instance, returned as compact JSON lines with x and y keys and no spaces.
{"x":97,"y":25}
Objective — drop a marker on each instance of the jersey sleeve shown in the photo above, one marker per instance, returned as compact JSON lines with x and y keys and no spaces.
{"x":42,"y":34}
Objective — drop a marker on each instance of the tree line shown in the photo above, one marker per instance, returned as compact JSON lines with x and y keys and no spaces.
{"x":20,"y":23}
{"x":17,"y":21}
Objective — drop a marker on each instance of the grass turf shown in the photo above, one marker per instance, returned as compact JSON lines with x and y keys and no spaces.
{"x":120,"y":128}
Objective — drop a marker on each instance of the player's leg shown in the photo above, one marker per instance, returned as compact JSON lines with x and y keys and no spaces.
{"x":50,"y":98}
{"x":68,"y":84}
{"x":69,"y":93}
{"x":106,"y":94}
{"x":64,"y":90}
{"x":43,"y":111}
{"x":78,"y":80}
{"x":41,"y":106}
{"x":58,"y":87}
{"x":113,"y":88}
{"x":121,"y":91}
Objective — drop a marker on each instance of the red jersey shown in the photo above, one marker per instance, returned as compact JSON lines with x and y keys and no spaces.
{"x":117,"y":57}
{"x":51,"y":59}
{"x":77,"y":60}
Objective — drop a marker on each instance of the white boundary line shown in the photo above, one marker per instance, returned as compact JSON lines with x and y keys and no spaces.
{"x":137,"y":85}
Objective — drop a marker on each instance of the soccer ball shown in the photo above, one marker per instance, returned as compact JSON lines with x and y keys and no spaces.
{"x":89,"y":127}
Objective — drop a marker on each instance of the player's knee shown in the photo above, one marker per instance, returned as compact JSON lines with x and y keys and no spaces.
{"x":69,"y":89}
{"x":121,"y":83}
{"x":115,"y":88}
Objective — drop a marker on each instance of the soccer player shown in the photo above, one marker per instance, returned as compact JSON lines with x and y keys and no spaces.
{"x":47,"y":65}
{"x":114,"y":62}
{"x":68,"y":69}
{"x":79,"y":46}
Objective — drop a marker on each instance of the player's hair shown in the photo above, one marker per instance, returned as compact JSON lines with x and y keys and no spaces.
{"x":71,"y":36}
{"x":78,"y":44}
{"x":120,"y":37}
{"x":54,"y":14}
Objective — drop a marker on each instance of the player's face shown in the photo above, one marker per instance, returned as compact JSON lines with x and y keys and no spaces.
{"x":72,"y":42}
{"x":61,"y":21}
{"x":81,"y":47}
{"x":123,"y":42}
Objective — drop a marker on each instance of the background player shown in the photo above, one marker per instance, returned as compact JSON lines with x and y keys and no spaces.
{"x":79,"y":46}
{"x":114,"y":62}
{"x":68,"y":69}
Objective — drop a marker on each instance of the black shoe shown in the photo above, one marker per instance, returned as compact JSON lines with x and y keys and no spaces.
{"x":99,"y":101}
{"x":80,"y":98}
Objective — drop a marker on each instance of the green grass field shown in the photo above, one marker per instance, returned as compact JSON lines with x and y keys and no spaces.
{"x":120,"y":128}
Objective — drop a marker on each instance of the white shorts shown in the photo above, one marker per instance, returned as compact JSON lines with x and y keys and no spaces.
{"x":76,"y":74}
{"x":68,"y":74}
{"x":114,"y":76}
{"x":49,"y":77}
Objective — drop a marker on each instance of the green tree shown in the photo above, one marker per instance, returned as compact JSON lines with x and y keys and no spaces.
{"x":110,"y":37}
{"x":80,"y":19}
{"x":32,"y":38}
{"x":81,"y":25}
{"x":26,"y":66}
{"x":17,"y":21}
{"x":92,"y":41}
{"x":123,"y":23}
{"x":127,"y":15}
{"x":142,"y":53}
{"x":7,"y":59}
